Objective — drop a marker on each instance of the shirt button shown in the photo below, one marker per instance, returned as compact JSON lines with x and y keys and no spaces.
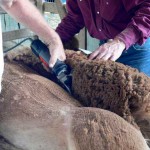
{"x":107,"y":3}
{"x":97,"y":12}
{"x":80,"y":0}
{"x":100,"y":30}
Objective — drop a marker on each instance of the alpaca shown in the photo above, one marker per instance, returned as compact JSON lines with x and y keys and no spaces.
{"x":37,"y":114}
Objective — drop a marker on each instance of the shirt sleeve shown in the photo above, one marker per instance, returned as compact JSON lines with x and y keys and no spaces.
{"x":138,"y":29}
{"x":72,"y":23}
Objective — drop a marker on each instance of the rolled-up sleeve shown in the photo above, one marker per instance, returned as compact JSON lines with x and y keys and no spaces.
{"x":72,"y":23}
{"x":138,"y":29}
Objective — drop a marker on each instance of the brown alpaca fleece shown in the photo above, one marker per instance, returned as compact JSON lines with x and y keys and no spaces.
{"x":125,"y":83}
{"x":128,"y":109}
{"x":24,"y":55}
{"x":112,"y":86}
{"x":36,"y":114}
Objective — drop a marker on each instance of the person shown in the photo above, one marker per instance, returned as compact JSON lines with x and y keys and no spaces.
{"x":25,"y":12}
{"x":122,"y":26}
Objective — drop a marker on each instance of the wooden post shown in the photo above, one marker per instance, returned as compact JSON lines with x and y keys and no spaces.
{"x":39,"y":5}
{"x":60,"y":8}
{"x":82,"y":39}
{"x":62,"y":12}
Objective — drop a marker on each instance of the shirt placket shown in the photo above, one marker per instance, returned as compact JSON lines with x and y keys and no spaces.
{"x":98,"y":15}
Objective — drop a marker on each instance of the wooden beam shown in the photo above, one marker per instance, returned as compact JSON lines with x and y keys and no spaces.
{"x":17,"y":34}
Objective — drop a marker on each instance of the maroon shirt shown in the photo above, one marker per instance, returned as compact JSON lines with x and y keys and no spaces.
{"x":129,"y":20}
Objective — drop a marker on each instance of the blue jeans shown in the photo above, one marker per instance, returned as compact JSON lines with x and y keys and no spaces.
{"x":137,"y":57}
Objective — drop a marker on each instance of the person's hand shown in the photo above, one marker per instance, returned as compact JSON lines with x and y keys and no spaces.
{"x":57,"y":52}
{"x":111,"y":50}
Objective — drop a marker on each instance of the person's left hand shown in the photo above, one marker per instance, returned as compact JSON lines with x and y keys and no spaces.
{"x":111,"y":50}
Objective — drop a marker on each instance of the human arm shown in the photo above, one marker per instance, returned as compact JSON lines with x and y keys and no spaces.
{"x":24,"y":12}
{"x":72,"y":23}
{"x":137,"y":31}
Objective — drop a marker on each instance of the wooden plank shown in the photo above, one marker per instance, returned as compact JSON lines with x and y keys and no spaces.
{"x":50,"y":7}
{"x":17,"y":34}
{"x":82,"y":38}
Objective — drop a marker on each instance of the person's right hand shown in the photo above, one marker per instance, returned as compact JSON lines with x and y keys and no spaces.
{"x":56,"y":51}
